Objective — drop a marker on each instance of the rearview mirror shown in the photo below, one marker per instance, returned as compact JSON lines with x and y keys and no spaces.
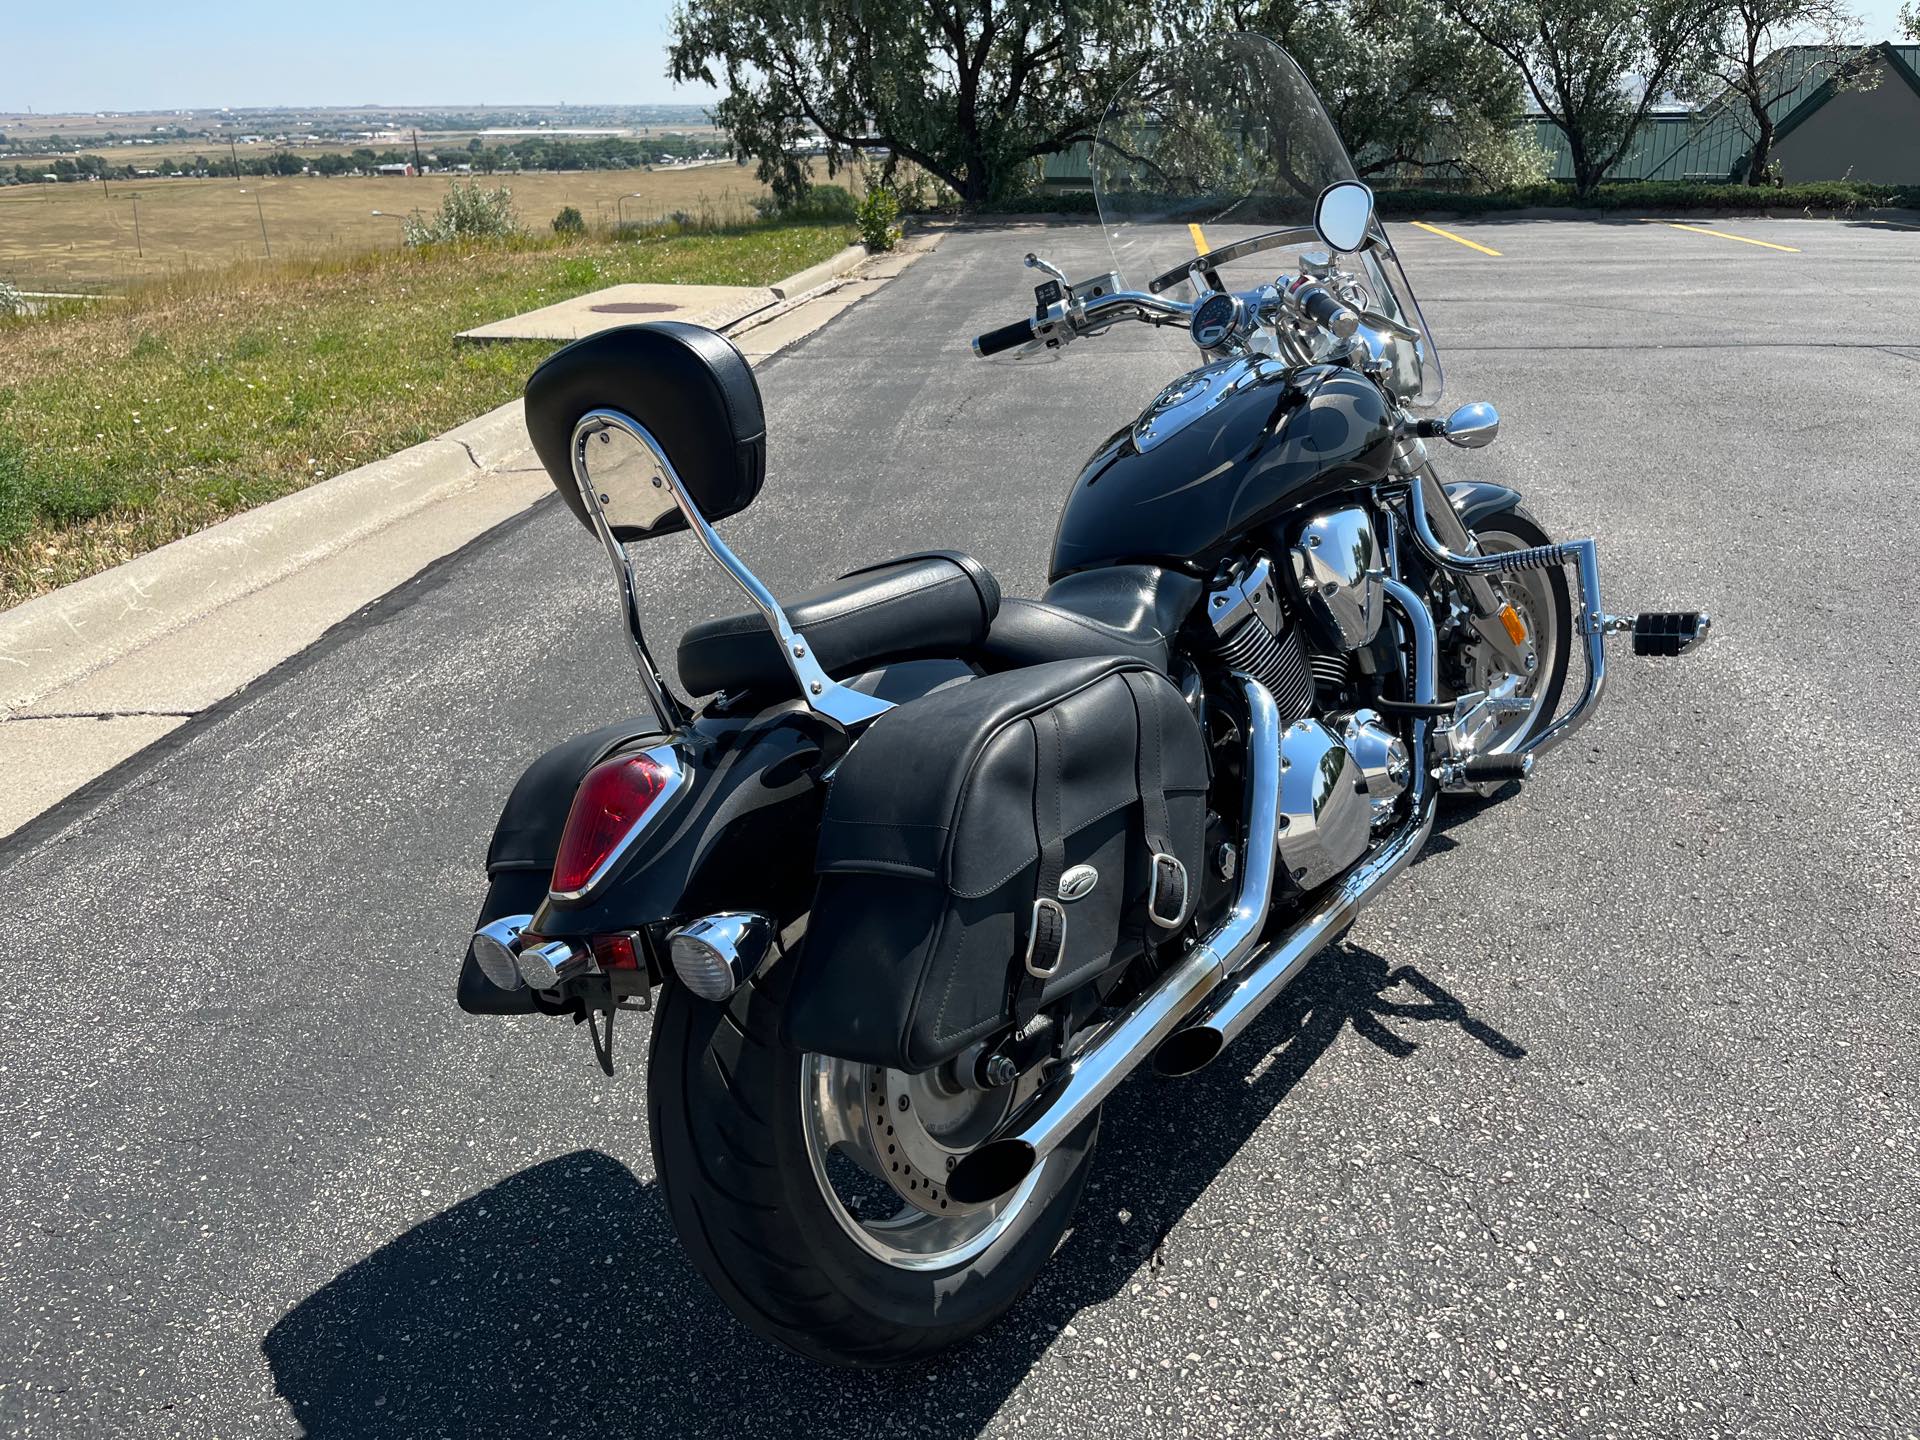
{"x":1343,"y":214}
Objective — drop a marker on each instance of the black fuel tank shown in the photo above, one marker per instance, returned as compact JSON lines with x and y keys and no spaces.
{"x":1221,"y":451}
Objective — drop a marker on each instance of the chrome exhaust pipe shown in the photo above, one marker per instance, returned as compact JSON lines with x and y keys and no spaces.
{"x":1085,"y":1081}
{"x":1235,"y":1004}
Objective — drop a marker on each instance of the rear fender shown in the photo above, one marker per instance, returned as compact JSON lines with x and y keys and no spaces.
{"x":739,"y":836}
{"x":742,"y":828}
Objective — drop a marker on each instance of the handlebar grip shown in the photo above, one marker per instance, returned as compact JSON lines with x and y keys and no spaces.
{"x":1005,"y":338}
{"x":1324,"y":310}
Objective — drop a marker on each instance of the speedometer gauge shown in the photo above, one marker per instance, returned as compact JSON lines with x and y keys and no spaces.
{"x":1216,"y":320}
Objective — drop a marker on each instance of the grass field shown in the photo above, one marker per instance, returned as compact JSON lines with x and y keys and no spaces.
{"x":81,"y":236}
{"x":126,"y":424}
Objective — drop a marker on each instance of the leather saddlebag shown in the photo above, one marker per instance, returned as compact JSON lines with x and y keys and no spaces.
{"x":993,"y":846}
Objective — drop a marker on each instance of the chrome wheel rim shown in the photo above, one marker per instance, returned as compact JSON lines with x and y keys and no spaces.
{"x":1532,"y":599}
{"x":881,"y":1167}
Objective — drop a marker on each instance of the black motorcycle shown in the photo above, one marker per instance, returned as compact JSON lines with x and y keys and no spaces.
{"x":931,"y":871}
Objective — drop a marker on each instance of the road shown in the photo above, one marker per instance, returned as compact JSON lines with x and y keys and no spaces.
{"x":1603,"y":1121}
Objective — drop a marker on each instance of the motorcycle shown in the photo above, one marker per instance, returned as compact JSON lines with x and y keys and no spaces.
{"x":1272,"y":640}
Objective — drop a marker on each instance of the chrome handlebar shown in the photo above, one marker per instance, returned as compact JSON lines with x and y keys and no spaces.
{"x":1065,"y":319}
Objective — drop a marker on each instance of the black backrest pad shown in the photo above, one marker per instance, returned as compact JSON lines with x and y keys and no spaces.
{"x":686,"y":384}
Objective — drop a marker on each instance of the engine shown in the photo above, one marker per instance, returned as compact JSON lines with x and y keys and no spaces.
{"x":1340,"y":774}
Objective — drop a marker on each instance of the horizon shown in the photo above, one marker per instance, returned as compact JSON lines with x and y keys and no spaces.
{"x":480,"y":49}
{"x":391,"y":106}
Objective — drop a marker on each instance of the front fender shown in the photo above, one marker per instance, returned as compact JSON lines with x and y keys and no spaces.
{"x":1477,"y":500}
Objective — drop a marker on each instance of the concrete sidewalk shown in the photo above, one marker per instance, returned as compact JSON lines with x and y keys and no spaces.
{"x":94,"y":673}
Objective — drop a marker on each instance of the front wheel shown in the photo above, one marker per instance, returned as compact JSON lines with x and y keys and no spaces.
{"x":1544,"y":607}
{"x":810,"y":1192}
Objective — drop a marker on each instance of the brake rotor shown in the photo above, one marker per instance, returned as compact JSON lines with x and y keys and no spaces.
{"x":919,"y":1126}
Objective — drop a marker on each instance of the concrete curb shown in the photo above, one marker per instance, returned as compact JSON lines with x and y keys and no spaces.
{"x":97,"y":671}
{"x":814,"y":276}
{"x":54,"y":640}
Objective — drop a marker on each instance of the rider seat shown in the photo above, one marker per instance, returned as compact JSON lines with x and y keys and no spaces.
{"x":944,"y":604}
{"x":1131,"y":610}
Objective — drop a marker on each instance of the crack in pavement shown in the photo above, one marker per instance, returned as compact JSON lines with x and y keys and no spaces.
{"x":102,"y":715}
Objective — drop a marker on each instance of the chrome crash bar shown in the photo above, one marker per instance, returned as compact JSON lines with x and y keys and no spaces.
{"x":1592,"y":623}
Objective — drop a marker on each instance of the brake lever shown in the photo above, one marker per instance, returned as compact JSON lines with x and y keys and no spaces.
{"x":1374,"y":320}
{"x":1034,"y":262}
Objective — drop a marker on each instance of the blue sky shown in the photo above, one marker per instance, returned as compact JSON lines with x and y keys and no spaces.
{"x":114,"y":54}
{"x":119,"y":55}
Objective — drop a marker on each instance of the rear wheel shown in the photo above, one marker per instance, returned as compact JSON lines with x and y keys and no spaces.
{"x":810,"y":1192}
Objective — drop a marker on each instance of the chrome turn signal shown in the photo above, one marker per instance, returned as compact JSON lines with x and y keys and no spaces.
{"x":716,"y":954}
{"x":493,"y":946}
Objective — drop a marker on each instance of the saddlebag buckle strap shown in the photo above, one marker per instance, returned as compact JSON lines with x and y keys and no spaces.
{"x":1167,"y":897}
{"x":1046,"y":938}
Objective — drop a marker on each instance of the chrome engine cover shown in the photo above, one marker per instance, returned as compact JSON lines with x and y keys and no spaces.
{"x":1382,"y":757}
{"x":1326,"y":816}
{"x":1339,"y":577}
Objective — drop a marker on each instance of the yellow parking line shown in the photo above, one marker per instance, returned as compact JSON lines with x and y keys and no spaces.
{"x":1457,"y":239}
{"x":1724,"y":235}
{"x":1199,"y":238}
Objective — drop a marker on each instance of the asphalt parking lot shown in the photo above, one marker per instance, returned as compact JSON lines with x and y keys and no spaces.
{"x":1604,"y":1121}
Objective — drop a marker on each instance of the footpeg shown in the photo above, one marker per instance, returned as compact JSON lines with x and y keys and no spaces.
{"x":1670,"y":633}
{"x":1496,"y":769}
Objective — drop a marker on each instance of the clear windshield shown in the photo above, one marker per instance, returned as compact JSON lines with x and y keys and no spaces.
{"x":1224,"y":139}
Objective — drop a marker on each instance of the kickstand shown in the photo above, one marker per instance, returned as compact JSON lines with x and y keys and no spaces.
{"x":602,"y":1045}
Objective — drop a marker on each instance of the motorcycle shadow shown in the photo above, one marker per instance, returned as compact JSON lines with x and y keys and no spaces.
{"x":496,"y":1318}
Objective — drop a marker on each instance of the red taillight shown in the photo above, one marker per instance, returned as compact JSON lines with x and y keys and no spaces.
{"x":616,"y":952}
{"x":607,"y":808}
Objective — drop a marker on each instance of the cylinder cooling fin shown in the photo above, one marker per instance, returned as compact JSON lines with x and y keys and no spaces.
{"x":1279,"y":662}
{"x":1255,"y":636}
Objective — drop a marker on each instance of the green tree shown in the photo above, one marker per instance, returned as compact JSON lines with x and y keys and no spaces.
{"x":1747,"y":69}
{"x":1595,"y":67}
{"x":1405,"y":83}
{"x":972,"y":91}
{"x":1910,"y":19}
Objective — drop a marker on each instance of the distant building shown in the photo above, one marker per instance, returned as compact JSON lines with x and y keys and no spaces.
{"x":1846,"y":113}
{"x":1864,"y":128}
{"x":394,"y":169}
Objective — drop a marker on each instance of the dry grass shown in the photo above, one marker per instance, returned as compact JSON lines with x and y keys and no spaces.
{"x":127,"y":424}
{"x":80,"y":236}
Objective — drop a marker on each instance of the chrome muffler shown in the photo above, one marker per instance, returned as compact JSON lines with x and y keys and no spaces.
{"x":1085,"y":1081}
{"x":1215,"y":992}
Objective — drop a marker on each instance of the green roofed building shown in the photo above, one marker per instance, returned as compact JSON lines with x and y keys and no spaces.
{"x":1851,"y":114}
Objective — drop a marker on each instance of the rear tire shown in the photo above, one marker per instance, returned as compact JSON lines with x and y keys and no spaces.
{"x":731,"y":1148}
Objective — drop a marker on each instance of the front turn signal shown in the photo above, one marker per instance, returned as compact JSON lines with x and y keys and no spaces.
{"x":1516,"y":627}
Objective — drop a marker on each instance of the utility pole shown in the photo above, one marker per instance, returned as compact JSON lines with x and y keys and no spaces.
{"x":138,"y":249}
{"x":261,"y":212}
{"x":419,"y":165}
{"x":235,"y":153}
